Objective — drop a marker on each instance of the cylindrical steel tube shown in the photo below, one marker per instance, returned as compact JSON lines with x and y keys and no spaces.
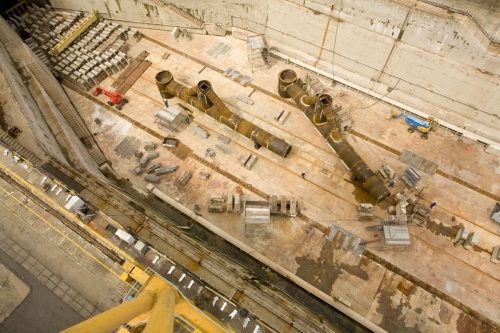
{"x":285,"y":78}
{"x":163,"y":314}
{"x":322,"y":116}
{"x":207,"y":101}
{"x":112,"y":319}
{"x":163,"y":79}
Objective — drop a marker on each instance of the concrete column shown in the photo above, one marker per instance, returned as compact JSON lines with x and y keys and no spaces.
{"x":162,"y":317}
{"x":110,"y":320}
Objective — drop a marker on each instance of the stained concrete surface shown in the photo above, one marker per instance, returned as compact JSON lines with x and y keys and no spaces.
{"x":325,"y":198}
{"x":62,"y":252}
{"x":14,"y":291}
{"x":41,"y":311}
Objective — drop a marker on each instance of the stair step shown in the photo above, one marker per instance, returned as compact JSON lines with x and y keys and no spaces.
{"x":25,"y":153}
{"x":185,"y":15}
{"x":98,"y":157}
{"x":59,"y":102}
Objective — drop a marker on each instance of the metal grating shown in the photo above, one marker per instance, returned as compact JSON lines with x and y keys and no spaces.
{"x":128,"y":146}
{"x":418,"y":162}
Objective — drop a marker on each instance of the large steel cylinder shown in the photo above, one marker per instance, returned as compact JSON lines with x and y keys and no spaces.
{"x":111,"y":319}
{"x":285,"y":78}
{"x":163,"y":315}
{"x":321,"y":114}
{"x":206,"y":100}
{"x":163,"y":79}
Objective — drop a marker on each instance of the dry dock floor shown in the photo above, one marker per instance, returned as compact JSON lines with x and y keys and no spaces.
{"x":430,"y":286}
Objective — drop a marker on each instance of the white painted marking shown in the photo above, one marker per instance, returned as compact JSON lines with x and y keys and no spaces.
{"x":200,"y":289}
{"x":182,"y":277}
{"x":155,"y":260}
{"x":43,"y":180}
{"x":54,"y":187}
{"x":233,"y":314}
{"x":59,"y":191}
{"x":171,"y":270}
{"x":190,"y":284}
{"x":223,"y":306}
{"x":245,"y":322}
{"x":215,"y":300}
{"x":257,"y":329}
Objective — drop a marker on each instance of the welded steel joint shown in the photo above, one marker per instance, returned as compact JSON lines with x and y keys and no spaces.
{"x":206,"y":100}
{"x":320,"y":112}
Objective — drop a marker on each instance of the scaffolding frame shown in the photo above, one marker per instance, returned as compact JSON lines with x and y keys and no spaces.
{"x":258,"y":47}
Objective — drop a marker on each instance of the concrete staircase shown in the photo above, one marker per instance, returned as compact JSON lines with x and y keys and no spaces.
{"x":3,"y":36}
{"x":215,"y":30}
{"x":475,"y":31}
{"x":470,"y":25}
{"x":61,"y":105}
{"x":185,"y":15}
{"x":13,"y":144}
{"x":198,"y":23}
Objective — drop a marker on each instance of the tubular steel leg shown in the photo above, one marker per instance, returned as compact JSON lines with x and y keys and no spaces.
{"x":110,"y":320}
{"x":162,"y":317}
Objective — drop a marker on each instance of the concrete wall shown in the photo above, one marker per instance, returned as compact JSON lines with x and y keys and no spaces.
{"x":26,"y":104}
{"x":486,"y":12}
{"x":432,"y":57}
{"x":45,"y":139}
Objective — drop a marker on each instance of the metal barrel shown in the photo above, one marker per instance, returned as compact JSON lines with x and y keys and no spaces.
{"x":320,"y":112}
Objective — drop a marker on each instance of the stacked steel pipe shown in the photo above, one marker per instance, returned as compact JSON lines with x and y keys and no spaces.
{"x":320,"y":112}
{"x":204,"y":99}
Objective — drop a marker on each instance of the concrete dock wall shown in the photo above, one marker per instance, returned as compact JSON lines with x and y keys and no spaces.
{"x":35,"y":120}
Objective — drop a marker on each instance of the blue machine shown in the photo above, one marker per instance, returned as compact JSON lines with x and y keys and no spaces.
{"x":415,"y":124}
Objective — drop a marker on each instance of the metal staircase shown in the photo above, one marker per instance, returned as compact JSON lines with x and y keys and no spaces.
{"x":66,"y":112}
